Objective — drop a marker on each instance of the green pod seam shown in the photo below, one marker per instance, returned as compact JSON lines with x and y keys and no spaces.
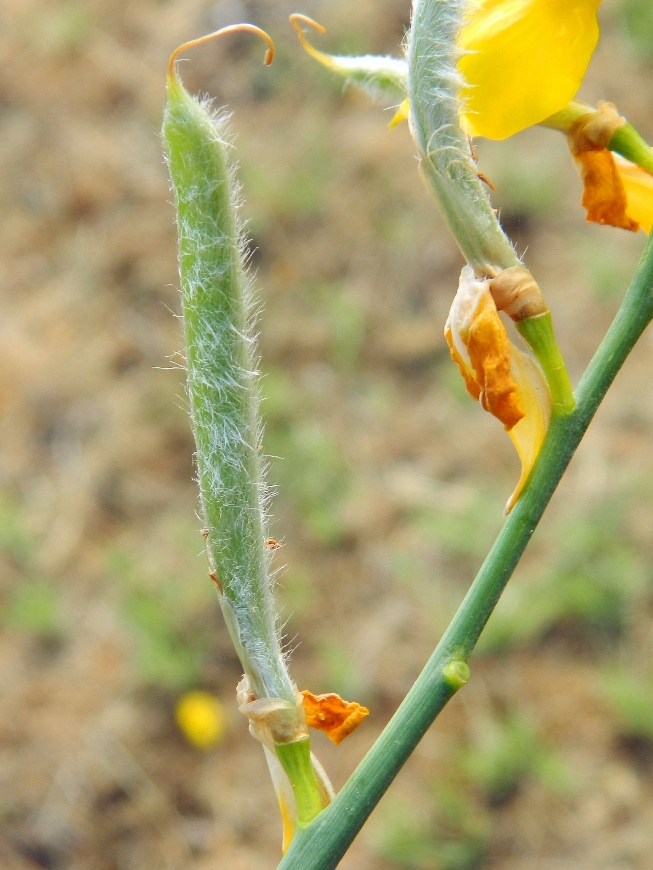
{"x":222,"y":382}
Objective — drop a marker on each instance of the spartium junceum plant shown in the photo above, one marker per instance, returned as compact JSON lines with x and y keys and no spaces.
{"x":472,"y":68}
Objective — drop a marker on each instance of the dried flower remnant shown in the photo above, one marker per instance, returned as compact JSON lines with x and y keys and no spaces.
{"x":507,"y":382}
{"x":332,"y":715}
{"x":616,"y":192}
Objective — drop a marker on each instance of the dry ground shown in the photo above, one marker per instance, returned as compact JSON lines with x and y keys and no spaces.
{"x":391,"y":481}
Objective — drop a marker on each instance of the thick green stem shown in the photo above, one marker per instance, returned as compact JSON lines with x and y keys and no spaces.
{"x":323,"y":843}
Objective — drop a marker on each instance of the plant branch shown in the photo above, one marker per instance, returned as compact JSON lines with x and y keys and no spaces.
{"x":322,"y":844}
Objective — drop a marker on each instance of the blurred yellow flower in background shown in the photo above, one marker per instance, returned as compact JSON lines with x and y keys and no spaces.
{"x":201,"y":718}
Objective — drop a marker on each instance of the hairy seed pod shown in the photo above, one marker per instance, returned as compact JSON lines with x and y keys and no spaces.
{"x":222,"y":379}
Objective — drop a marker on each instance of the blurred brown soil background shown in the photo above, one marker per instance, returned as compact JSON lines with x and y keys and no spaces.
{"x":391,"y":482}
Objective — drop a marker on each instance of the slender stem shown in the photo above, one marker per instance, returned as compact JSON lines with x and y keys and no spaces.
{"x":322,"y":844}
{"x":565,"y":119}
{"x":538,"y":332}
{"x":625,"y":140}
{"x":295,"y":759}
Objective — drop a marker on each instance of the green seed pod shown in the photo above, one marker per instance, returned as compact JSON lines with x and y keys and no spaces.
{"x":376,"y":75}
{"x":222,"y":378}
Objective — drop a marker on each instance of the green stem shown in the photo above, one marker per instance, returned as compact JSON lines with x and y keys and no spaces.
{"x":322,"y":844}
{"x":565,"y":119}
{"x":295,"y":759}
{"x":625,"y":140}
{"x":538,"y":332}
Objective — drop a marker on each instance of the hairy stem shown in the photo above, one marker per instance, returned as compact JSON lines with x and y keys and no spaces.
{"x":446,"y":159}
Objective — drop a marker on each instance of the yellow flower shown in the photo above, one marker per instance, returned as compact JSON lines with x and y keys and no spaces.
{"x":508,"y":383}
{"x":523,"y":61}
{"x":201,"y":719}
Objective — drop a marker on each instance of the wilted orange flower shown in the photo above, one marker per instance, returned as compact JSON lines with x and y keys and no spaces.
{"x":508,"y":382}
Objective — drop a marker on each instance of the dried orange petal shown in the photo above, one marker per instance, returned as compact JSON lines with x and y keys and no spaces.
{"x":470,"y":381}
{"x":488,"y":346}
{"x":604,"y":194}
{"x":331,"y":714}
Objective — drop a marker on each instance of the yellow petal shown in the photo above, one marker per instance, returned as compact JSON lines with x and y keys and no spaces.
{"x":524,"y":61}
{"x":285,"y":797}
{"x":402,"y":114}
{"x":329,"y":713}
{"x":528,"y":434}
{"x":638,"y":185}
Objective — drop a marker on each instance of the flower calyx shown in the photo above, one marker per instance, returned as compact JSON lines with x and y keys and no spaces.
{"x":302,"y":787}
{"x":517,"y":293}
{"x":605,"y":186}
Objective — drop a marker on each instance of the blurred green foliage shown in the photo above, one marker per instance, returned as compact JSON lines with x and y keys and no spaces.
{"x":346,"y":322}
{"x":35,"y":608}
{"x":342,"y":671}
{"x":14,"y":540}
{"x":606,"y":264}
{"x":631,"y":696}
{"x":308,"y":463}
{"x":593,"y":580}
{"x":295,"y":191}
{"x":527,"y":179}
{"x":452,"y":833}
{"x":64,"y":27}
{"x":637,"y":16}
{"x":33,"y":605}
{"x":510,"y":753}
{"x":170,"y":621}
{"x":465,"y":530}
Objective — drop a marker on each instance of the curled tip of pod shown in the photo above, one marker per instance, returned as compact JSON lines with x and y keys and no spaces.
{"x":232,"y":28}
{"x":297,"y":20}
